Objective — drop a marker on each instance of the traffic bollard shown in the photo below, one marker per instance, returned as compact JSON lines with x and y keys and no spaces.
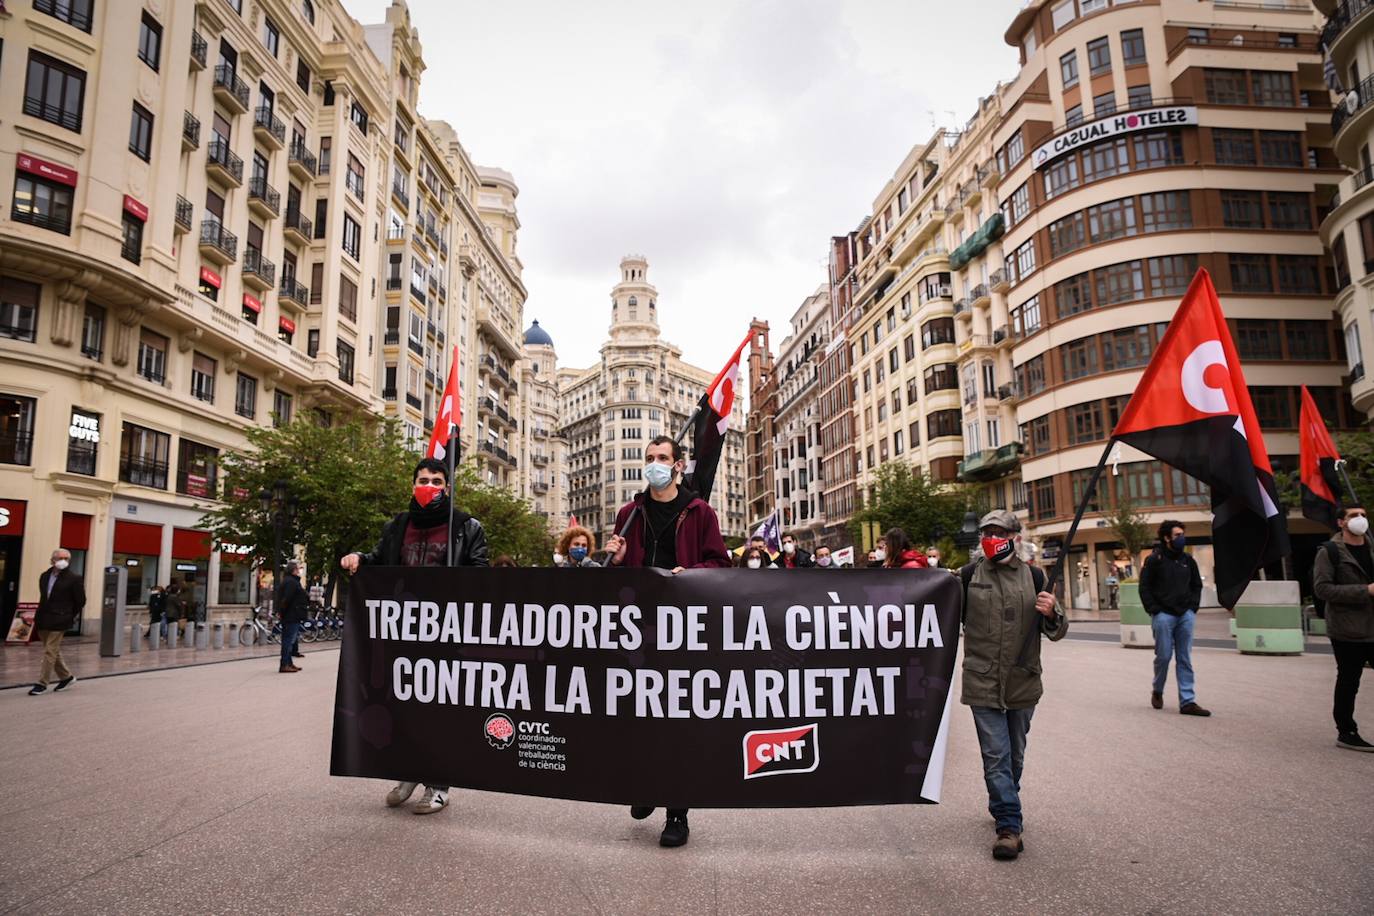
{"x":135,"y":638}
{"x":202,"y":636}
{"x":155,"y":636}
{"x":217,"y":635}
{"x":173,"y":632}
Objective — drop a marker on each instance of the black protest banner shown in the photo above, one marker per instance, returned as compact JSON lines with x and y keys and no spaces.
{"x":712,"y":688}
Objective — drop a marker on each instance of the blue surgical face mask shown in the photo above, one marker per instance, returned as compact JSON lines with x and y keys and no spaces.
{"x":1179,"y":542}
{"x":658,"y":474}
{"x":577,"y":554}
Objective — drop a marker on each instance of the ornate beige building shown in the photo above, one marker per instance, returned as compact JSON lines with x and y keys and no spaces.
{"x":797,"y":424}
{"x":544,"y":455}
{"x":200,"y":236}
{"x":640,"y":389}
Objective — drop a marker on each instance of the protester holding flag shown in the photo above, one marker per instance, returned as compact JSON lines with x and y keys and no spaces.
{"x":1171,"y":590}
{"x":668,"y":527}
{"x":1006,"y":610}
{"x":1343,"y":577}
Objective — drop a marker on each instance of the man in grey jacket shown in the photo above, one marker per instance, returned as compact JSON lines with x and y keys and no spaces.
{"x":1343,"y":577}
{"x":1006,"y":611}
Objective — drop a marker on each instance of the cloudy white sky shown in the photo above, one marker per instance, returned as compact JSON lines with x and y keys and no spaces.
{"x":725,"y":141}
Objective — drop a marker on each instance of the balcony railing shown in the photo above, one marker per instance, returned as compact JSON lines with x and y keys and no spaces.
{"x":213,"y":234}
{"x":296,"y":222}
{"x":979,"y":293}
{"x":388,"y":394}
{"x":227,"y":80}
{"x":16,"y":448}
{"x":76,"y":15}
{"x":1355,"y":101}
{"x":393,"y":283}
{"x":256,"y":265}
{"x":183,"y":213}
{"x":265,"y":119}
{"x":302,"y":158}
{"x":413,"y":400}
{"x":294,"y":291}
{"x":391,"y":338}
{"x":1357,"y":372}
{"x":219,"y":154}
{"x":190,"y":131}
{"x":260,"y":190}
{"x":143,"y":472}
{"x":199,"y":47}
{"x":400,"y":194}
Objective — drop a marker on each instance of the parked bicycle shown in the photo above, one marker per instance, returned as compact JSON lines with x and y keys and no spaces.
{"x":262,"y":625}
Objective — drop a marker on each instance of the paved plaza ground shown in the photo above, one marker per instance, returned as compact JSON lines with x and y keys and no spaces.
{"x":205,"y":790}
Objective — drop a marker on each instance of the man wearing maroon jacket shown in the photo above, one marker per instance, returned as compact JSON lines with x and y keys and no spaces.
{"x":667,"y":527}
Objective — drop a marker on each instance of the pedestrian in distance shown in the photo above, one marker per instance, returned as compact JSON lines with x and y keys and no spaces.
{"x":176,"y":607}
{"x":157,"y":610}
{"x":824,"y":560}
{"x":1006,"y":611}
{"x":899,"y":553}
{"x":423,"y":536}
{"x":1171,"y":590}
{"x":933,"y":557}
{"x":577,"y":546}
{"x":753,"y":558}
{"x":1343,"y":577}
{"x":293,"y":604}
{"x":504,"y":561}
{"x":877,"y":557}
{"x":793,"y":556}
{"x":61,"y":597}
{"x":667,"y":527}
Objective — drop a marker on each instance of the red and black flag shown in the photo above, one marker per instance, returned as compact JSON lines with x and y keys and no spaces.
{"x":711,"y":424}
{"x":1193,"y":411}
{"x":1317,"y":457}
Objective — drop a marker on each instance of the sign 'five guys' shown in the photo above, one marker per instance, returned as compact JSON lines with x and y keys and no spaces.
{"x":621,"y":685}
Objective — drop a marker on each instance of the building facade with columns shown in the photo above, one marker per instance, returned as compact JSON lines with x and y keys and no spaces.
{"x":641,"y":388}
{"x":760,"y":469}
{"x":544,"y":452}
{"x":796,"y":445}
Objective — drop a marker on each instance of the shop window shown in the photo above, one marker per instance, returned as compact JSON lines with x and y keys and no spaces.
{"x":83,"y":442}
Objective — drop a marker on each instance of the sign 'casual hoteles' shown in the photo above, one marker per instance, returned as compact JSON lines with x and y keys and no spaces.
{"x":1317,"y":457}
{"x":711,"y":688}
{"x":710,"y":426}
{"x":1192,"y":410}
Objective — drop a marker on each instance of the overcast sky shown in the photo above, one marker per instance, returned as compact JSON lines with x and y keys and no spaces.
{"x":726,"y":142}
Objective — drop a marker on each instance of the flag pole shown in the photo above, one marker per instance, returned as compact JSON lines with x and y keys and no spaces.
{"x":1053,"y":577}
{"x":452,"y":449}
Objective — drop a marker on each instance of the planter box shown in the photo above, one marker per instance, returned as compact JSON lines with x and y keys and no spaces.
{"x":1136,"y":632}
{"x":1269,"y":619}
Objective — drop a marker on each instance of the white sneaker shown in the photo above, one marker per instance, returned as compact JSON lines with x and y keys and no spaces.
{"x":433,"y":800}
{"x":398,"y":795}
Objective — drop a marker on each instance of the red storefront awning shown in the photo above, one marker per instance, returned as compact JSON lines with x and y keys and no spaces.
{"x":12,"y":516}
{"x":76,"y":531}
{"x":140,"y":538}
{"x":45,"y":169}
{"x":188,"y":544}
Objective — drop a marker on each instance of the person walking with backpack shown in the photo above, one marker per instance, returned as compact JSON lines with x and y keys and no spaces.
{"x":1006,"y":610}
{"x":1343,"y":577}
{"x":1171,"y":590}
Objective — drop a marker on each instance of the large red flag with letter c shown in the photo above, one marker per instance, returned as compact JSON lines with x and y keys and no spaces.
{"x":1192,"y":410}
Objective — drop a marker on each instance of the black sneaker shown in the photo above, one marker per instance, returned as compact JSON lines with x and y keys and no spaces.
{"x":640,"y":812}
{"x":1353,"y":742}
{"x":65,"y":682}
{"x":298,"y":655}
{"x":37,"y":689}
{"x":675,"y":832}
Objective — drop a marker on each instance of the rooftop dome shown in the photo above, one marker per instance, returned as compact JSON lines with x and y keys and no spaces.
{"x":537,"y":336}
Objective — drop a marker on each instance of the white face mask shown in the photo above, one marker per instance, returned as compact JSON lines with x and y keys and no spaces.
{"x":934,"y":562}
{"x":880,"y":555}
{"x":59,"y":564}
{"x":1357,"y":525}
{"x":789,"y":547}
{"x":754,"y":563}
{"x":558,"y":559}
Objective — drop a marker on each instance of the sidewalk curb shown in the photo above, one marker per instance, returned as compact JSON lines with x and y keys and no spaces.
{"x":1309,"y":648}
{"x":217,"y":661}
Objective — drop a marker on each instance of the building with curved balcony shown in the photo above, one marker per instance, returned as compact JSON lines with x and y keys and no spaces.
{"x":796,"y":451}
{"x":1139,"y":142}
{"x":641,"y":388}
{"x":1347,"y":231}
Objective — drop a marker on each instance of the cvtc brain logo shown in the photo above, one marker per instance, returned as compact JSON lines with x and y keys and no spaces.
{"x":500,"y":731}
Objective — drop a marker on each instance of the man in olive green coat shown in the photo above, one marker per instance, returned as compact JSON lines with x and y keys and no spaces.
{"x":1006,"y":610}
{"x":1343,"y":577}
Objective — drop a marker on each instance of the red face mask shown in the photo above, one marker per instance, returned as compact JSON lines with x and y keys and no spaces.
{"x":997,"y":549}
{"x":426,"y":493}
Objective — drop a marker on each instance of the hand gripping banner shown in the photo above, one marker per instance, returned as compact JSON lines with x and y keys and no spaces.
{"x":715,"y":688}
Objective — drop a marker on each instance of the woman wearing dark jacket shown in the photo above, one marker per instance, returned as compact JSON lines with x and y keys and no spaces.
{"x":753,"y":558}
{"x":901,"y":554}
{"x":577,"y":546}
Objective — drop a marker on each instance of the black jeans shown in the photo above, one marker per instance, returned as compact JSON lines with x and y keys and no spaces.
{"x":1350,"y":661}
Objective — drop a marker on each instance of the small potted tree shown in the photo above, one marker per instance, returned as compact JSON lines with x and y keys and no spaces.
{"x":1133,"y":531}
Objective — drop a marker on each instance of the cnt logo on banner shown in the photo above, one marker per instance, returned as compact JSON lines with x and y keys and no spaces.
{"x":620,"y":685}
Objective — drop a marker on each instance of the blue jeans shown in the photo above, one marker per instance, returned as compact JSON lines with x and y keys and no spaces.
{"x":1174,"y":637}
{"x":1002,"y":738}
{"x":290,"y":632}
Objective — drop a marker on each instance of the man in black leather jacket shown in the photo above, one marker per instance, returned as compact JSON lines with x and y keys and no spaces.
{"x":421,"y":536}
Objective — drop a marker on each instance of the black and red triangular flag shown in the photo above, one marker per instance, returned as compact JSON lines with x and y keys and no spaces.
{"x":1192,"y":410}
{"x":1317,"y":457}
{"x":711,"y":424}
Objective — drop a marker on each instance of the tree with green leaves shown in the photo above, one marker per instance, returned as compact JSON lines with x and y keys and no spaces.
{"x":346,"y":479}
{"x":511,"y":524}
{"x":908,"y":498}
{"x":1131,"y":528}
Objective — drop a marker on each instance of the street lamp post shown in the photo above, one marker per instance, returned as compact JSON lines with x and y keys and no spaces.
{"x":967,"y":538}
{"x":281,"y":507}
